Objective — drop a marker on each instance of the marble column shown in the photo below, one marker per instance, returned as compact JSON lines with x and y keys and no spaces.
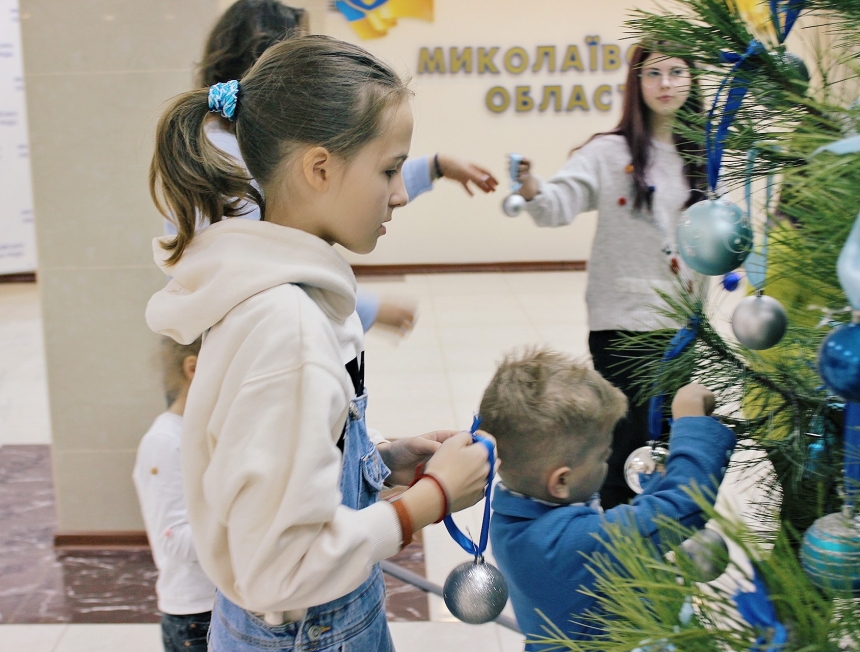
{"x":97,"y":75}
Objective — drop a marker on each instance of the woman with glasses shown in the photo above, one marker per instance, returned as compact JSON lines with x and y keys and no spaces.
{"x":639,"y":177}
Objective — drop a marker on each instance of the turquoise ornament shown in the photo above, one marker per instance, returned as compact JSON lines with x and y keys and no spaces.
{"x":830,"y":553}
{"x":714,"y":237}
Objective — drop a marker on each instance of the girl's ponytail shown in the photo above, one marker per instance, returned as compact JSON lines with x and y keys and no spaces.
{"x":189,"y":177}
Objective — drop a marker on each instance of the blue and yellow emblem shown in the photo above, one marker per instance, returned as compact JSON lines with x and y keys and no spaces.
{"x":373,"y":18}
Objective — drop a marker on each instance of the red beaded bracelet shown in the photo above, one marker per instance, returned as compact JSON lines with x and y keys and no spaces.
{"x":445,"y":501}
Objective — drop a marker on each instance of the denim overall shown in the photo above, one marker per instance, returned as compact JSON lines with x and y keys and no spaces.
{"x":354,"y":623}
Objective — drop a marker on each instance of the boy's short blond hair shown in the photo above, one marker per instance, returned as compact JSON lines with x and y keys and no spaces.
{"x":542,"y":407}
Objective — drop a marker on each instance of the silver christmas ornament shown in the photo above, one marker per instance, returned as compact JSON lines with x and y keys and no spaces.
{"x":830,"y":553}
{"x":714,"y":237}
{"x":759,"y":322}
{"x":642,"y":464}
{"x":513,"y":205}
{"x":708,"y":554}
{"x":475,"y":592}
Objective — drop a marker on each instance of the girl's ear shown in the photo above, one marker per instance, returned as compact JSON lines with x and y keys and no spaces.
{"x":558,"y":485}
{"x":317,"y":168}
{"x":189,"y":366}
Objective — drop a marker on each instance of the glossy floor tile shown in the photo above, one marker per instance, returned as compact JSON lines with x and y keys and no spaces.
{"x":41,"y":584}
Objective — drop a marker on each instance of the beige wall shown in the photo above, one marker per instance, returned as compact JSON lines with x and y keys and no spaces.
{"x":450,"y":116}
{"x":97,"y":73}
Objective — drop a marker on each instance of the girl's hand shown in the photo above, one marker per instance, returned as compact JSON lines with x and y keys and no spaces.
{"x":464,"y":172}
{"x":524,"y":170}
{"x":530,"y":186}
{"x":462,"y":468}
{"x":397,"y":313}
{"x":402,"y":456}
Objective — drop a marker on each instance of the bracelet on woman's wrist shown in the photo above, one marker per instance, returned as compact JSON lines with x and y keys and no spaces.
{"x":405,"y":520}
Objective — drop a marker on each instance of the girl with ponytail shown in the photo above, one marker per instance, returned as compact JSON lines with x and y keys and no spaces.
{"x":281,"y":472}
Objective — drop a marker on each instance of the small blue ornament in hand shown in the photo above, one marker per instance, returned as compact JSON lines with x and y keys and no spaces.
{"x":714,"y":237}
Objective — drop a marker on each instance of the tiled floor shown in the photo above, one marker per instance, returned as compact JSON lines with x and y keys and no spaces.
{"x":430,"y":380}
{"x":40,"y":584}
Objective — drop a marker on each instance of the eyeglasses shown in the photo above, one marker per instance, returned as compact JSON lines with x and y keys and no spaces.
{"x":677,"y":76}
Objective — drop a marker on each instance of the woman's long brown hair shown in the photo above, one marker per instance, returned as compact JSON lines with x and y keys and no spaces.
{"x":635,"y":127}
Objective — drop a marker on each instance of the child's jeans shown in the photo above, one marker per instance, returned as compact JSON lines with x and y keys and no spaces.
{"x":353,"y":623}
{"x":187,"y":633}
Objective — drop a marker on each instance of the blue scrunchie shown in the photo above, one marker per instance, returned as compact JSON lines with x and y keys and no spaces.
{"x":223,"y":97}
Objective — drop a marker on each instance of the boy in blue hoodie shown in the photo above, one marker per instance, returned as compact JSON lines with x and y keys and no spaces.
{"x":553,"y":418}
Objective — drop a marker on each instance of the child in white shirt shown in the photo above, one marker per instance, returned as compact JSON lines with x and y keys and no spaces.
{"x":185,"y":594}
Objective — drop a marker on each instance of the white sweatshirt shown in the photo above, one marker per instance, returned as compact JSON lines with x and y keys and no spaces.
{"x":266,"y":408}
{"x":182,"y":586}
{"x":627,"y":263}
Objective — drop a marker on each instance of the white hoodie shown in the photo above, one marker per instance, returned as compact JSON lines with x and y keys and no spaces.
{"x":269,"y":399}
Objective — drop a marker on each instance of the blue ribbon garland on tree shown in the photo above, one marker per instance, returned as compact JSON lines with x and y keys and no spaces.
{"x":757,"y":609}
{"x":784,"y":14}
{"x":678,"y":344}
{"x":715,"y":143}
{"x":788,"y":12}
{"x":465,"y":542}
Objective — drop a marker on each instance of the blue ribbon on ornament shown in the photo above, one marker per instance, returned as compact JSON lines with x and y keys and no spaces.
{"x":784,"y":14}
{"x":465,"y":542}
{"x":677,"y":345}
{"x":756,"y":262}
{"x":715,"y":143}
{"x":757,"y":609}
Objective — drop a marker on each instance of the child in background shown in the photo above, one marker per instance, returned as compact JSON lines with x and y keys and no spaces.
{"x":281,"y":473}
{"x":185,"y":594}
{"x":243,"y":32}
{"x":553,"y":418}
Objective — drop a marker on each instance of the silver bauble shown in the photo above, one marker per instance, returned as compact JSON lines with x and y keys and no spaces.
{"x":707,"y":552}
{"x":714,"y":237}
{"x":759,"y":322}
{"x":643,"y":463}
{"x":830,"y":553}
{"x":513,"y":205}
{"x":475,"y":592}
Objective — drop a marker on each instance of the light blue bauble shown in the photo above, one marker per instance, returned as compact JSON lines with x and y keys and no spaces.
{"x":839,"y":361}
{"x":830,"y":553}
{"x":714,"y":237}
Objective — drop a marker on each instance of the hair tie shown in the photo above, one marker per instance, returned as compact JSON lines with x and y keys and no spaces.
{"x":223,"y":98}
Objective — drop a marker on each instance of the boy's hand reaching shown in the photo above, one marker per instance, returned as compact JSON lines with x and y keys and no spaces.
{"x":693,"y":400}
